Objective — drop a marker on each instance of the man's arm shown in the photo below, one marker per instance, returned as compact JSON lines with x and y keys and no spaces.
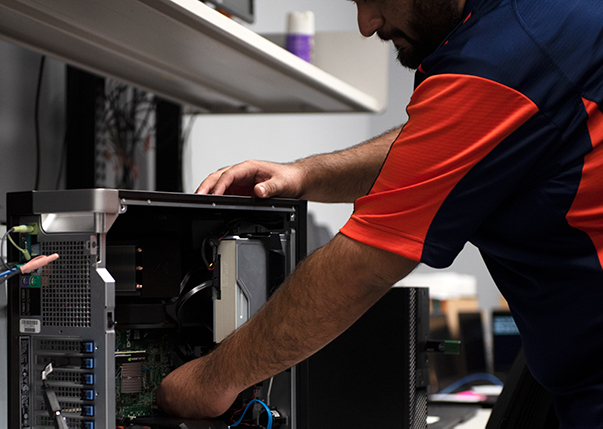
{"x":325,"y":295}
{"x":341,"y":176}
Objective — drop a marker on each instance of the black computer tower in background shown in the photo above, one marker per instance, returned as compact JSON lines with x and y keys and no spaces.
{"x":375,"y":375}
{"x":135,"y":293}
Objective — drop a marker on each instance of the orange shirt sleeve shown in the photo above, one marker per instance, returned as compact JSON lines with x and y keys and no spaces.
{"x":454,"y":122}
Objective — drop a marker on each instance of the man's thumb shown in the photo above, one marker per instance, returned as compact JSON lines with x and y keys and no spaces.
{"x":266,"y":189}
{"x":260,"y":190}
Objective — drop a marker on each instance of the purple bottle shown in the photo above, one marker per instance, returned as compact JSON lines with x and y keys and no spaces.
{"x":300,"y":34}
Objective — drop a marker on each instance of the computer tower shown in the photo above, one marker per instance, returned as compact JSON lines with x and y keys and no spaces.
{"x":375,"y":375}
{"x":137,"y":290}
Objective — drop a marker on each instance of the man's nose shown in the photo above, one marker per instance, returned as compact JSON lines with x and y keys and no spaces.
{"x":369,"y":19}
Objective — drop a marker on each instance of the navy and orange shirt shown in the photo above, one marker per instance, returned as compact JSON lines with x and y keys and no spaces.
{"x":503,"y":149}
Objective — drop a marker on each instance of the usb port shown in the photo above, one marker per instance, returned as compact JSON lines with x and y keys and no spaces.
{"x":88,"y":395}
{"x":88,"y":379}
{"x":87,"y":363}
{"x":88,"y":347}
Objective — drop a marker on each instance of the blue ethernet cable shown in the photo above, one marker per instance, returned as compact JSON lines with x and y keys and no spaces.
{"x":245,"y":412}
{"x":468,"y":379}
{"x":8,"y":274}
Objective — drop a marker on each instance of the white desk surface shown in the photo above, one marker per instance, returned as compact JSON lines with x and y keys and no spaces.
{"x":478,"y":421}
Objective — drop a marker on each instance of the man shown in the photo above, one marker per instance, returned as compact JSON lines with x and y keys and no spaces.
{"x":501,"y":149}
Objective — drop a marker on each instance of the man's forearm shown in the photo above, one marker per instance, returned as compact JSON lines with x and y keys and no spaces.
{"x":345,"y":175}
{"x":320,"y":300}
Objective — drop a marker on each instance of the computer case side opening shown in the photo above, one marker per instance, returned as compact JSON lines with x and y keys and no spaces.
{"x":132,"y":296}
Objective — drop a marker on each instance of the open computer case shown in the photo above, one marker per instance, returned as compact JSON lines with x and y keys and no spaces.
{"x":146,"y":281}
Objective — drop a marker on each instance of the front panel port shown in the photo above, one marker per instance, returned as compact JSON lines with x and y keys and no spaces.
{"x":88,"y":379}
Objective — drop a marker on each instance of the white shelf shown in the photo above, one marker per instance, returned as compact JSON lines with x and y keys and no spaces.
{"x":182,"y":50}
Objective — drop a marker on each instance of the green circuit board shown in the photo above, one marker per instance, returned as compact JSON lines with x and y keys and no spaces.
{"x":141,"y":363}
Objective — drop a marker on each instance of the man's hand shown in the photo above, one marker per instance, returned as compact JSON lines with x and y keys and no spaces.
{"x":337,"y":177}
{"x":255,"y":178}
{"x":186,"y":393}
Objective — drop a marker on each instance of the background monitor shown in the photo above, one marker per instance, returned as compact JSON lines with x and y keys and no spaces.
{"x":240,"y":8}
{"x":506,"y":342}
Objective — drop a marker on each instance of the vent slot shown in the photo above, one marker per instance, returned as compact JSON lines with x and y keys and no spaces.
{"x":66,"y":285}
{"x":68,"y":377}
{"x":64,"y":346}
{"x":66,"y":407}
{"x":63,"y":391}
{"x":72,"y":423}
{"x":418,"y":397}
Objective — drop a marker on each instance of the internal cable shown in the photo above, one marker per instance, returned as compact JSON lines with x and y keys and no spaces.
{"x":269,"y":391}
{"x":213,"y":245}
{"x":182,"y":299}
{"x":234,"y":418}
{"x":214,"y":241}
{"x":269,"y":426}
{"x":187,"y":277}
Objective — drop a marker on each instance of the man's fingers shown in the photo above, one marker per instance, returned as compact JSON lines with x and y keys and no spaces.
{"x":239,"y":179}
{"x":252,"y":178}
{"x":204,"y":188}
{"x":208,"y":185}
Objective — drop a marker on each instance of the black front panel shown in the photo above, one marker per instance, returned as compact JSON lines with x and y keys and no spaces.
{"x":375,"y":374}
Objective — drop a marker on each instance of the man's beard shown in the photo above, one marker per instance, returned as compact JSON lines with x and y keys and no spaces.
{"x":431,"y":21}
